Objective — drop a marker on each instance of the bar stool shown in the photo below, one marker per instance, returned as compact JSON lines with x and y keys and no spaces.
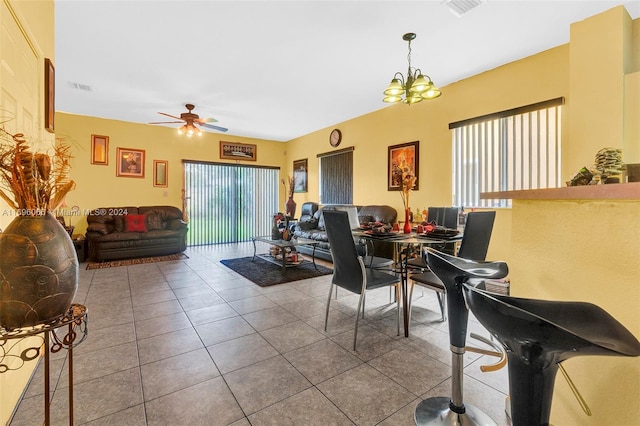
{"x":453,"y":272}
{"x":538,"y":335}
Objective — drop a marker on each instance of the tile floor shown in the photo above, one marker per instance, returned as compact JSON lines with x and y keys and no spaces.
{"x":192,"y":343}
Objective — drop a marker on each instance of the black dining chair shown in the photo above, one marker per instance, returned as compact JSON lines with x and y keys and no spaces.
{"x":349,"y":271}
{"x":537,"y":336}
{"x":441,"y":216}
{"x":453,"y":272}
{"x":474,"y":246}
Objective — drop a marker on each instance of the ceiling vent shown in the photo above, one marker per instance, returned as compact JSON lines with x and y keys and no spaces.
{"x":460,"y":7}
{"x":80,"y":86}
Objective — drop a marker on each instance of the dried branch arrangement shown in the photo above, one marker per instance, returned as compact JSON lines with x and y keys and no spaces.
{"x":33,"y":183}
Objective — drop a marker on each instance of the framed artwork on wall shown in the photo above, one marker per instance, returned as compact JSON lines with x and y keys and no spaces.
{"x":238,"y":151}
{"x":49,"y":94}
{"x":130,"y":162}
{"x":160,"y":173}
{"x":401,"y":156}
{"x":300,"y":175}
{"x":100,"y":150}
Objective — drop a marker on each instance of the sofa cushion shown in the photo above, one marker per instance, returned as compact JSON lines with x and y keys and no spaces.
{"x":135,"y":223}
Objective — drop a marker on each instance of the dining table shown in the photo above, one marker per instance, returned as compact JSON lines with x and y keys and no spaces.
{"x":405,"y":247}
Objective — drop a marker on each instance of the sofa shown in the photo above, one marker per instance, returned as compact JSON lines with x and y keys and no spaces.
{"x":129,"y":232}
{"x":311,"y":225}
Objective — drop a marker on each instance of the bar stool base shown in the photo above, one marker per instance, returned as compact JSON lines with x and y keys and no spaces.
{"x":436,"y":412}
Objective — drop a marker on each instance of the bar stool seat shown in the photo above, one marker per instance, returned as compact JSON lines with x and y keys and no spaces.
{"x":540,"y":334}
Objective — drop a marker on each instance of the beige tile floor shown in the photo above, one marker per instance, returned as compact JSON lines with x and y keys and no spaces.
{"x":192,"y":343}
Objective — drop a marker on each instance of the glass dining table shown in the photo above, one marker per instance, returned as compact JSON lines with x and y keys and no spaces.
{"x":403,"y":245}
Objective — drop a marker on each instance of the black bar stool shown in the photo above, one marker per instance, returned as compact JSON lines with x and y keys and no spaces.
{"x":453,"y":272}
{"x":538,"y":335}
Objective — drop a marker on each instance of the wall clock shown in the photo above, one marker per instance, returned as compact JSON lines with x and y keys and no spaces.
{"x":335,"y":137}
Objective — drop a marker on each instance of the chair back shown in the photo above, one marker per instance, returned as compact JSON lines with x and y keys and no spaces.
{"x":444,"y":216}
{"x":347,"y":266}
{"x":477,"y":234}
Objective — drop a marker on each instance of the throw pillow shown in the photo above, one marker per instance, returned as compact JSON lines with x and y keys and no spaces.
{"x":134,"y":223}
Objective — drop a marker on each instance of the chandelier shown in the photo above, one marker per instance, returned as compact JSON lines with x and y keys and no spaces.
{"x":415,"y":87}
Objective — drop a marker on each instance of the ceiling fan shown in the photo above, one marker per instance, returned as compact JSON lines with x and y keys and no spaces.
{"x":191,"y":122}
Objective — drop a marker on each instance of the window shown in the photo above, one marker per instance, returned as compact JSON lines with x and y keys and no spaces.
{"x":228,"y":203}
{"x":336,"y":177}
{"x":509,"y":150}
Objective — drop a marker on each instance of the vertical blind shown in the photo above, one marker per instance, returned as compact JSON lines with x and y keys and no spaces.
{"x":228,"y":203}
{"x":336,"y":177}
{"x":510,"y":150}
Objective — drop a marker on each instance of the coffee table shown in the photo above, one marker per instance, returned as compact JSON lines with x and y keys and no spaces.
{"x":284,"y":246}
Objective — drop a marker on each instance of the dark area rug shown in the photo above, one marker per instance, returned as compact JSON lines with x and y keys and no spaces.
{"x":137,"y":261}
{"x":266,"y":273}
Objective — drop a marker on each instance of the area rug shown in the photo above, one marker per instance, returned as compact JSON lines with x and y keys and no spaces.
{"x":137,"y":261}
{"x":266,"y":273}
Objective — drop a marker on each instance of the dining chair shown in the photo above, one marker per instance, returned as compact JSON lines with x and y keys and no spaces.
{"x":474,"y":246}
{"x":441,"y":216}
{"x":349,"y":271}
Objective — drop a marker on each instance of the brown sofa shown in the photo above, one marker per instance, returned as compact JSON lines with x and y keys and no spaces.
{"x":128,"y":232}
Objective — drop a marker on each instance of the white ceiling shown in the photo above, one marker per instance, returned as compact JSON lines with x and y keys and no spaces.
{"x":281,"y":69}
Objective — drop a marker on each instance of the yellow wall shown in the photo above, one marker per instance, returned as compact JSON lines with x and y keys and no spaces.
{"x":585,"y":251}
{"x":98,"y":185}
{"x":33,"y":22}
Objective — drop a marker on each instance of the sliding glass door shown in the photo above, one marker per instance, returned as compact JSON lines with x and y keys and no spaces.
{"x":228,"y":203}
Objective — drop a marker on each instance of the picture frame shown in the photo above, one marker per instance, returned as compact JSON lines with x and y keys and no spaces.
{"x":130,"y":162}
{"x":49,"y":95}
{"x":100,"y":150}
{"x":238,"y":151}
{"x":160,"y":173}
{"x":407,"y":152}
{"x":300,"y":175}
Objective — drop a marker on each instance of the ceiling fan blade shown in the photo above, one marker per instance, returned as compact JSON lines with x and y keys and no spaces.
{"x":211,"y":126}
{"x":206,"y":120}
{"x":166,"y":122}
{"x":169,"y":115}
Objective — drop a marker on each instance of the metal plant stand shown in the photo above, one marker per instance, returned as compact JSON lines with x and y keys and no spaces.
{"x":76,"y":322}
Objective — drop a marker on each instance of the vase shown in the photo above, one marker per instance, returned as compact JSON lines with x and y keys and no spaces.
{"x":407,"y":221}
{"x":290,"y":208}
{"x":38,"y":272}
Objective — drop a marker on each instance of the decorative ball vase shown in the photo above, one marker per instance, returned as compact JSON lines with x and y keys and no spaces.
{"x":290,"y":208}
{"x":38,"y":272}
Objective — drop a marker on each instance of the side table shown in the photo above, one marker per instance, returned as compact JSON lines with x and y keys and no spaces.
{"x":76,"y":321}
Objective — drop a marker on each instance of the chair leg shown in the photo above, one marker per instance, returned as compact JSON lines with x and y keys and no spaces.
{"x":364,"y":298}
{"x":410,"y":285}
{"x":397,"y":286}
{"x":326,"y":316}
{"x":355,"y":332}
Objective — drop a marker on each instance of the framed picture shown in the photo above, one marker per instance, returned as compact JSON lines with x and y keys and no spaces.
{"x":300,"y":175}
{"x":130,"y":162}
{"x":100,"y":150}
{"x":160,"y":170}
{"x":49,"y":94}
{"x":238,"y":151}
{"x":403,"y":155}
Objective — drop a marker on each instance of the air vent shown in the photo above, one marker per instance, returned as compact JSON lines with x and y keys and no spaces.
{"x":460,"y":7}
{"x":80,"y":86}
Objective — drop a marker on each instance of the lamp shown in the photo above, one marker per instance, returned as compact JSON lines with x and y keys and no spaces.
{"x":415,"y":88}
{"x":189,"y":129}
